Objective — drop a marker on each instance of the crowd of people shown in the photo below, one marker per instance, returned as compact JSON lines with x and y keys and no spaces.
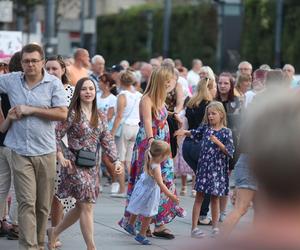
{"x":65,"y":122}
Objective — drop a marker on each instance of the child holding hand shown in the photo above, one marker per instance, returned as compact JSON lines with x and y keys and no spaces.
{"x":146,"y":194}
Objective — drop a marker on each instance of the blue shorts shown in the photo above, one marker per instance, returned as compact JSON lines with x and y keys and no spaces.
{"x":243,"y":176}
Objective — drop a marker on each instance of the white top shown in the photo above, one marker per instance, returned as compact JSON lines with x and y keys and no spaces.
{"x":185,"y":86}
{"x":249,"y":97}
{"x":131,"y":115}
{"x":105,"y":103}
{"x":193,"y":78}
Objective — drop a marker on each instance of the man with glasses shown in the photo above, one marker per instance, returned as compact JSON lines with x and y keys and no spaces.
{"x":289,"y":72}
{"x":38,"y":99}
{"x":244,"y":68}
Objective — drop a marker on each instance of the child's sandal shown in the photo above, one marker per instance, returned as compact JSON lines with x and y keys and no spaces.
{"x":143,"y":240}
{"x":130,"y":229}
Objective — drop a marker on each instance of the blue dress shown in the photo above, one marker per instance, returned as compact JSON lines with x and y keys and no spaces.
{"x":145,"y":197}
{"x":213,"y":165}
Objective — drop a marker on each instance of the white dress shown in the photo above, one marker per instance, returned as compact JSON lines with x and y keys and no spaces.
{"x":145,"y":196}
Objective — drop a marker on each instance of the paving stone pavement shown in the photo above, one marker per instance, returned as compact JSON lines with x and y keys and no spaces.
{"x":109,"y":235}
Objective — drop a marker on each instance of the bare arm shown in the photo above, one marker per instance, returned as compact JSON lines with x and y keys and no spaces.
{"x":179,"y":98}
{"x":157,"y":177}
{"x":110,"y":113}
{"x":52,"y":114}
{"x":121,"y":104}
{"x":146,"y":110}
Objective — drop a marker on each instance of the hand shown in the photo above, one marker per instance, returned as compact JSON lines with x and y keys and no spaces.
{"x":12,"y":114}
{"x":179,"y":120}
{"x":22,"y":110}
{"x":118,"y":168}
{"x":214,"y":139}
{"x":63,"y":161}
{"x":180,"y":132}
{"x":150,"y":141}
{"x":174,"y":198}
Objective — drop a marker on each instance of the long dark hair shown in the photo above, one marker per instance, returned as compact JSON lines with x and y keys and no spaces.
{"x":231,"y":91}
{"x":60,"y":60}
{"x":75,"y":103}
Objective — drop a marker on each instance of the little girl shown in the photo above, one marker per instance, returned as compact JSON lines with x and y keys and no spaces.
{"x":213,"y":165}
{"x":145,"y":197}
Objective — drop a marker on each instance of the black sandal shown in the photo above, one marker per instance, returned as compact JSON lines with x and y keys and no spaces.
{"x":164,"y":234}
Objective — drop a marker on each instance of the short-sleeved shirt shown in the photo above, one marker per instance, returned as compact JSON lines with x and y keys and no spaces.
{"x":31,"y":135}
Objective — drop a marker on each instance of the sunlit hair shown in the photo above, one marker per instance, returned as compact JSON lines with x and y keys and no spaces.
{"x":60,"y":60}
{"x":108,"y":80}
{"x":231,"y":91}
{"x":156,"y":89}
{"x":127,"y":78}
{"x":217,"y":106}
{"x":158,"y":149}
{"x":242,"y":78}
{"x":76,"y":103}
{"x":208,"y":70}
{"x":202,"y":93}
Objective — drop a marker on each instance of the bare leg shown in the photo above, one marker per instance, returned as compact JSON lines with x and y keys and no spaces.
{"x":183,"y":185}
{"x":122,"y":181}
{"x":132,"y":219}
{"x":56,"y":211}
{"x":223,"y":203}
{"x":215,"y":210}
{"x":196,"y":209}
{"x":87,"y":224}
{"x":145,"y":225}
{"x":244,"y":197}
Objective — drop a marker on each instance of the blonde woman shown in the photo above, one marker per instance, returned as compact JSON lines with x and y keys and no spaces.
{"x":153,"y":125}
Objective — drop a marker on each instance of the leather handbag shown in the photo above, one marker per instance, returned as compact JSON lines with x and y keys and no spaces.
{"x":85,"y":159}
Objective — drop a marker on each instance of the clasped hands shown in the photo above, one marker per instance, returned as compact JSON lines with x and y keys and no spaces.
{"x":19,"y":111}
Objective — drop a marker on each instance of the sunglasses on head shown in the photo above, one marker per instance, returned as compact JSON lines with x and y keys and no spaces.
{"x":3,"y":65}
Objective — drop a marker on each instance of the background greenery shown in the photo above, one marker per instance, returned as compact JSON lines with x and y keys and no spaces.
{"x":193,"y":33}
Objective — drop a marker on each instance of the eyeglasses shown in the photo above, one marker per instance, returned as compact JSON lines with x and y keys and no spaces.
{"x":32,"y":61}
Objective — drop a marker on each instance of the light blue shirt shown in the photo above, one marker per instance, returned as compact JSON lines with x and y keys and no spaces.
{"x":31,"y":135}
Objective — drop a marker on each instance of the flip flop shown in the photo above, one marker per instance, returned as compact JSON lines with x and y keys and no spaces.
{"x":50,"y":244}
{"x":164,"y":234}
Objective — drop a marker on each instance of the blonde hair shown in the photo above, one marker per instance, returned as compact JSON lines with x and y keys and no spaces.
{"x":242,"y":78}
{"x":127,"y":78}
{"x":157,"y":149}
{"x":209,"y":72}
{"x":156,"y":89}
{"x":202,"y":93}
{"x":218,"y":106}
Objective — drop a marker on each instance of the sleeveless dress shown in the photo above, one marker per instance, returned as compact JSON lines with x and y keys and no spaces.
{"x":145,"y":196}
{"x":167,"y":209}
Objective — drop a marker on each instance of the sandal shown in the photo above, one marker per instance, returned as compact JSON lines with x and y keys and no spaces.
{"x":164,"y":234}
{"x":130,"y":229}
{"x":143,"y":240}
{"x":183,"y":190}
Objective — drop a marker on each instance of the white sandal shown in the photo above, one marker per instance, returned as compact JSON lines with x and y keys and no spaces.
{"x":197,"y":233}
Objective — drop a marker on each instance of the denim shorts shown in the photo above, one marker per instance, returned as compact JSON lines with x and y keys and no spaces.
{"x":243,"y":176}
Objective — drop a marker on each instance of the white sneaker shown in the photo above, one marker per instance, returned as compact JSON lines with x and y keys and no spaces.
{"x":215,"y":232}
{"x":119,"y":195}
{"x":115,"y":188}
{"x":197,"y":233}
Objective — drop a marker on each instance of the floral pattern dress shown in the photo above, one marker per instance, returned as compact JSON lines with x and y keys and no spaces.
{"x":167,"y":210}
{"x":213,"y":165}
{"x":83,"y":183}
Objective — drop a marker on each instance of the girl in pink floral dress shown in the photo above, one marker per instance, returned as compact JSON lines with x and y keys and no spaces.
{"x":86,"y":128}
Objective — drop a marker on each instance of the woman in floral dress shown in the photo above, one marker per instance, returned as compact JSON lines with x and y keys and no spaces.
{"x":153,"y":125}
{"x":86,"y":128}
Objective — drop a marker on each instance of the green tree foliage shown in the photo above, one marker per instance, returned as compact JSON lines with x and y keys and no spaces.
{"x":291,"y":36}
{"x":258,"y":32}
{"x":193,"y":34}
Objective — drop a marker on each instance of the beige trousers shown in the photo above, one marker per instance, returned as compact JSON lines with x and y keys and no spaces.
{"x":34,"y":187}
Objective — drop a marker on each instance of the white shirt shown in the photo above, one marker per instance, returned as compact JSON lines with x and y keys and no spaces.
{"x":193,"y":78}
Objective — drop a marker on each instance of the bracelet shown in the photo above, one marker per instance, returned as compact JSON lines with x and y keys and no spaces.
{"x":150,"y":138}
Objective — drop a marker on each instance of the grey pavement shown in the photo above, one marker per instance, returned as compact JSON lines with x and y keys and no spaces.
{"x":109,"y":235}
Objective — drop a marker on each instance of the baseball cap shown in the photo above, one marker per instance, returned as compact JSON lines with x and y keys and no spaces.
{"x":116,"y":68}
